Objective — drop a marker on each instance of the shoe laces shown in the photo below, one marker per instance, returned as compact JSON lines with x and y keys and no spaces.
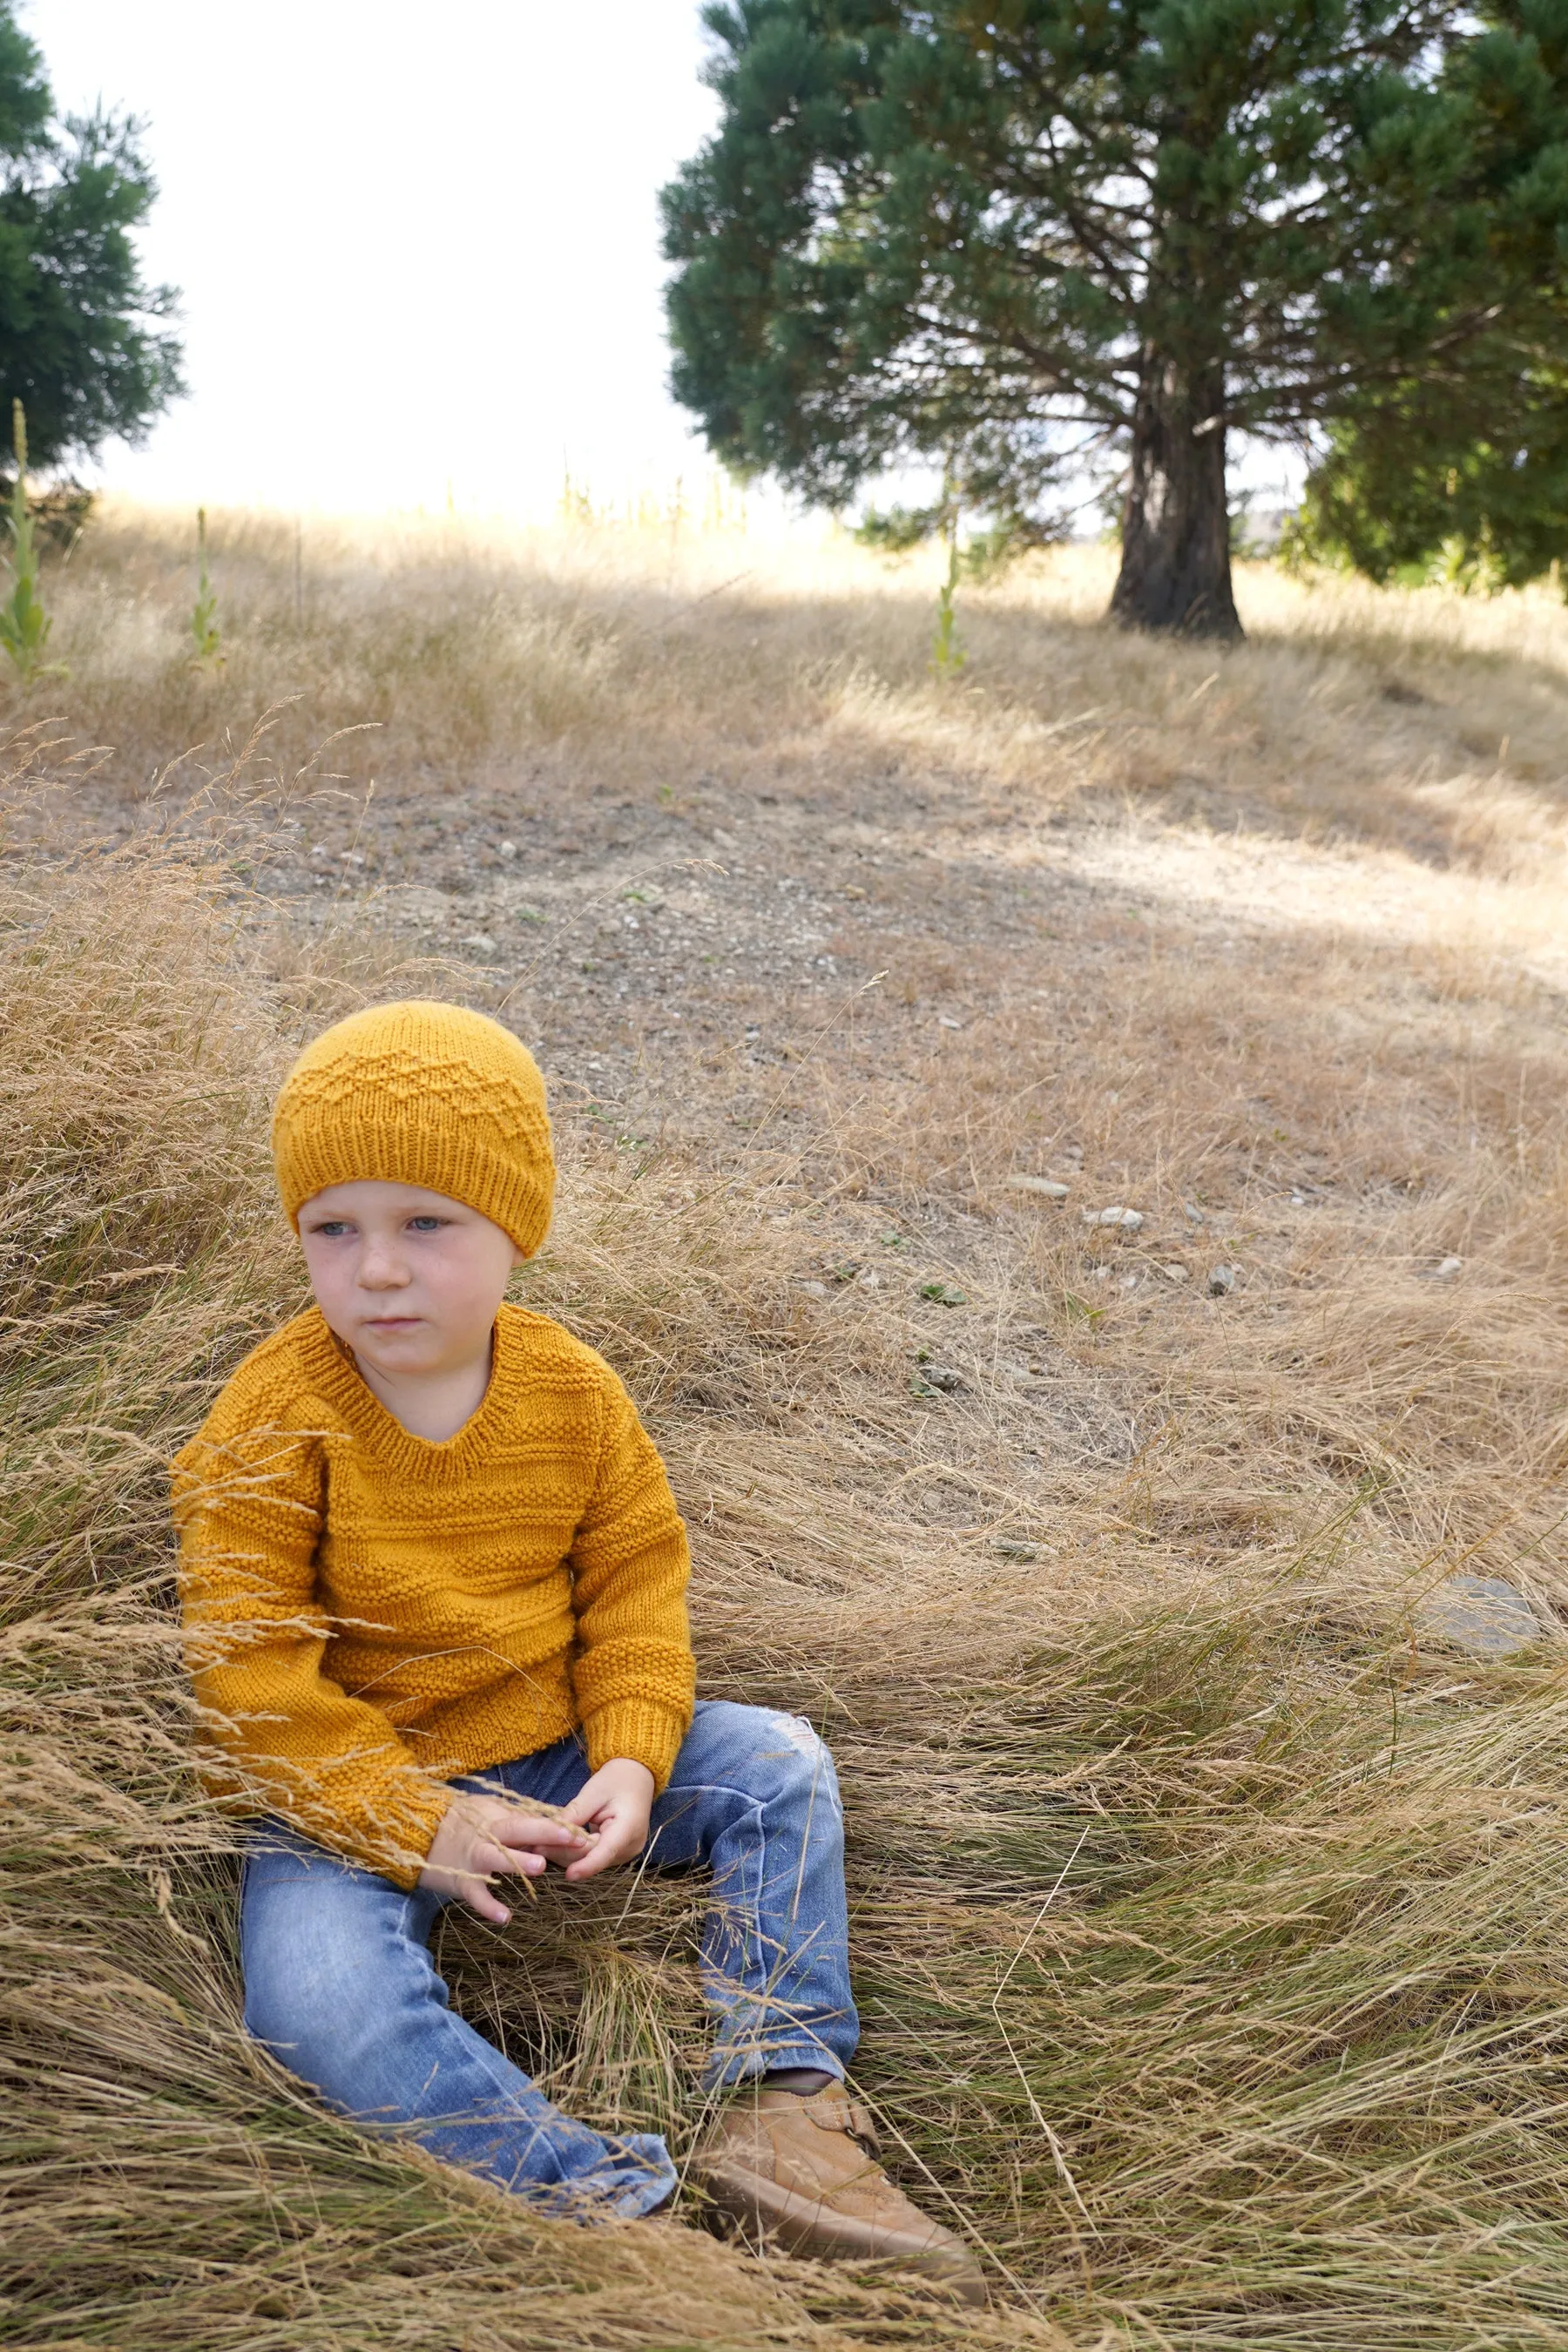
{"x":836,"y":2111}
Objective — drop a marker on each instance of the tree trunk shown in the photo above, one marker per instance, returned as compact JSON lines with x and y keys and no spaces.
{"x":1176,"y":531}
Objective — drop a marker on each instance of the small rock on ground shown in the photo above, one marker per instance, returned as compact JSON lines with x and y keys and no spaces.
{"x":1482,"y":1615}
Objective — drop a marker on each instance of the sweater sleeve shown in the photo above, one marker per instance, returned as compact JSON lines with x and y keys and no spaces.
{"x":633,"y":1670}
{"x":276,"y":1734}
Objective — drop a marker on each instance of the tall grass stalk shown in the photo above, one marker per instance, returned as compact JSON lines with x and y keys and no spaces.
{"x":205,"y":630}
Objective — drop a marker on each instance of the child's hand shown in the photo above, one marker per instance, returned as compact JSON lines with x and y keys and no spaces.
{"x":615,"y":1804}
{"x":481,"y":1838}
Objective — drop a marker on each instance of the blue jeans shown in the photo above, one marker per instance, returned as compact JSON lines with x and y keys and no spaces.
{"x":340,"y":1985}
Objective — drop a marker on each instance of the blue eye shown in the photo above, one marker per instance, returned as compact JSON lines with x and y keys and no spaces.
{"x":332,"y":1228}
{"x":426,"y":1225}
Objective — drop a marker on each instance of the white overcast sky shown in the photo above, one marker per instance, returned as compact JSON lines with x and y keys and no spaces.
{"x":415,"y":245}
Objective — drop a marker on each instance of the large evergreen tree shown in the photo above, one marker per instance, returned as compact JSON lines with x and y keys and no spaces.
{"x":1024,"y":240}
{"x":82,"y":345}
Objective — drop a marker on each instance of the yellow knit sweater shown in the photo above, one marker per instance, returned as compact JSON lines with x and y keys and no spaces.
{"x":368,"y":1615}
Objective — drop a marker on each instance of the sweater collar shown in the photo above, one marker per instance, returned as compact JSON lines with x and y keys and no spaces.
{"x":381,"y":1434}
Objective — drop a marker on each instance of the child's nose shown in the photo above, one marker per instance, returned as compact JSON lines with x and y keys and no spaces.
{"x":382,"y":1268}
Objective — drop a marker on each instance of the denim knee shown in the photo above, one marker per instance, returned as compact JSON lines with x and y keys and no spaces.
{"x":325,"y":1991}
{"x":794,"y":1764}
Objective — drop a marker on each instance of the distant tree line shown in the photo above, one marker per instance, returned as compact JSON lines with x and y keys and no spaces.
{"x":1042,"y":245}
{"x":84,"y":342}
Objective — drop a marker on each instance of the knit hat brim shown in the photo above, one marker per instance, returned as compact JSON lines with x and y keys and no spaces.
{"x":420,"y":1092}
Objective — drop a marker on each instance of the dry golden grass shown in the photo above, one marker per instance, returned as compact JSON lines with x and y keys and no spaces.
{"x":1207,"y":1912}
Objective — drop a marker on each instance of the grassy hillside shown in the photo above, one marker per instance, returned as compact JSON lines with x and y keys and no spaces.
{"x":1208,"y":1906}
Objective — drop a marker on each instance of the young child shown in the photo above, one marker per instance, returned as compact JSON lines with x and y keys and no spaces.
{"x":434,"y":1580}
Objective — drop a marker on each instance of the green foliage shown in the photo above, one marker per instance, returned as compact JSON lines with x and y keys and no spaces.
{"x":82,"y":336}
{"x":203,"y":614}
{"x":1048,"y":237}
{"x":986,"y":554}
{"x":1415,"y":489}
{"x":898,"y":530}
{"x":947,"y":655}
{"x":23,"y":625}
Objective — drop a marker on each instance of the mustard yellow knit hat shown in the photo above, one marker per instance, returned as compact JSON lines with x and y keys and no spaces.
{"x":420,"y":1092}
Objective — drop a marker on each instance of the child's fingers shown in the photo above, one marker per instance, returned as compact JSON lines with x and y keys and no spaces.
{"x":473,"y":1887}
{"x":534,"y":1831}
{"x":615,"y":1844}
{"x":496,"y":1860}
{"x":484,"y":1905}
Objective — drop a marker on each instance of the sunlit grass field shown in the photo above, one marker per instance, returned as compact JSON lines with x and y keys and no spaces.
{"x":1209,"y":1907}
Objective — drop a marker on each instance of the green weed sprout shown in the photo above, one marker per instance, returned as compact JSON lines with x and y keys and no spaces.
{"x":204,"y":613}
{"x":23,"y":623}
{"x":947,"y":655}
{"x":898,"y":531}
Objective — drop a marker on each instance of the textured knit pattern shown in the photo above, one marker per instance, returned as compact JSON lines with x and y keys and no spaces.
{"x":369,"y":1614}
{"x":420,"y":1092}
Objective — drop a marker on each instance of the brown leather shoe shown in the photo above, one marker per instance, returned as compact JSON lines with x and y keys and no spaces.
{"x":803,"y":2170}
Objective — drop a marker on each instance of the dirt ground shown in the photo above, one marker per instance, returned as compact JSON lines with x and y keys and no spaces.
{"x":1266,"y":948}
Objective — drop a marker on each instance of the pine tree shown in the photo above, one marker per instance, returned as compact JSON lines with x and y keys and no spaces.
{"x":82,"y":345}
{"x":1059,"y":237}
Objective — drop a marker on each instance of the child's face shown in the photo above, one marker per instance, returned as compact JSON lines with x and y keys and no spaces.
{"x":410,"y":1280}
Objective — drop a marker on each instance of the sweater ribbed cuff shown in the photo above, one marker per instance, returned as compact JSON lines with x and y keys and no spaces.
{"x":389,"y":1833}
{"x":635,"y":1727}
{"x":418,"y":1823}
